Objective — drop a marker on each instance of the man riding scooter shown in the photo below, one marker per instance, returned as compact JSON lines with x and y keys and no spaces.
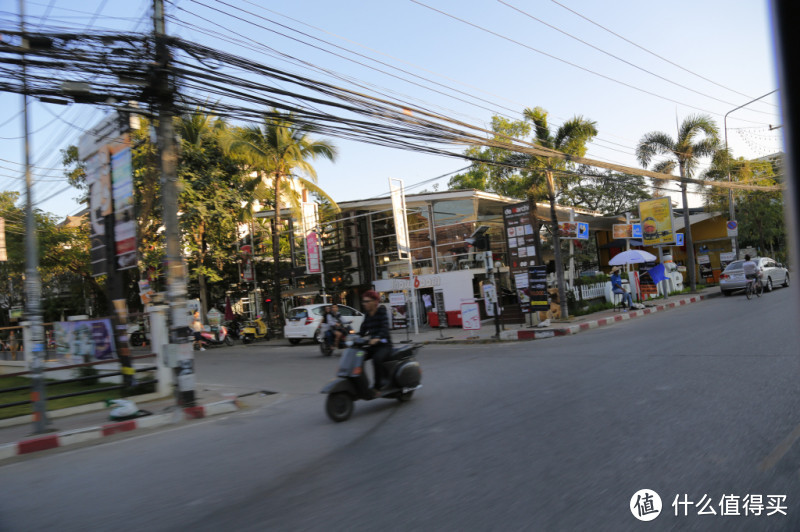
{"x":376,"y":326}
{"x":336,"y":327}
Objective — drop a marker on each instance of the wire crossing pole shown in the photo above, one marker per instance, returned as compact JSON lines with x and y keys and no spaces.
{"x":34,"y":349}
{"x":180,"y":344}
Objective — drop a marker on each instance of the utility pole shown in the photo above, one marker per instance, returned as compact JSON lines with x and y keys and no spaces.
{"x":180,"y":345}
{"x":731,"y":209}
{"x":34,"y":350}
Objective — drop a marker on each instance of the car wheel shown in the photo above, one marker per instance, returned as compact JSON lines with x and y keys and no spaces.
{"x":726,"y":293}
{"x":294,"y":341}
{"x":768,"y":286}
{"x":786,"y":280}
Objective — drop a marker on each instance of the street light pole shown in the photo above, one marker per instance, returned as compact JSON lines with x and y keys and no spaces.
{"x":731,"y":210}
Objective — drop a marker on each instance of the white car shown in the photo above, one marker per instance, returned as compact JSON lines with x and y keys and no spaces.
{"x":772,"y":274}
{"x":305,"y":322}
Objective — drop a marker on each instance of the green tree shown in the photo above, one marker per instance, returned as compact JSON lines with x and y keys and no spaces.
{"x":209,"y":200}
{"x":698,"y":137}
{"x":605,"y":191}
{"x":279,"y":151}
{"x":570,"y":139}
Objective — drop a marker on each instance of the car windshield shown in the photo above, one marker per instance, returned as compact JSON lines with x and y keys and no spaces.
{"x":297,"y":314}
{"x":735,"y":265}
{"x":318,"y":311}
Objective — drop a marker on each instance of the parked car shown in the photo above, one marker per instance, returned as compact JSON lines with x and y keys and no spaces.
{"x":304,"y":322}
{"x":773,"y":274}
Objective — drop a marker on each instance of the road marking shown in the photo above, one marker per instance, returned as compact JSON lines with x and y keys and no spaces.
{"x":780,"y":451}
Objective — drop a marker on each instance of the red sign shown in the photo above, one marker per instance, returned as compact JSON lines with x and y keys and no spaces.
{"x":313,"y":263}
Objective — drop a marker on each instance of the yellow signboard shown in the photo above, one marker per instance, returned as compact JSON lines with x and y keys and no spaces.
{"x":656,"y":216}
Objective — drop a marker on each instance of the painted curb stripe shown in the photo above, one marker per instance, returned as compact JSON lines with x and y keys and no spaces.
{"x":122,"y":426}
{"x":37,"y":444}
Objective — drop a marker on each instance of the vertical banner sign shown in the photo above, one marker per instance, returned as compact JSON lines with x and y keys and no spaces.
{"x":538,"y":288}
{"x":313,"y":262}
{"x":3,"y":252}
{"x":311,"y":237}
{"x":124,"y":214}
{"x":99,"y":181}
{"x":397,"y":301}
{"x":704,"y":263}
{"x":518,"y":225}
{"x":470,"y":317}
{"x":522,"y":282}
{"x":656,"y":216}
{"x":438,"y":297}
{"x":247,"y":264}
{"x":399,"y":211}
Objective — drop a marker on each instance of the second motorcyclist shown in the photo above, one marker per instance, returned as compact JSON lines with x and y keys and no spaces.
{"x":336,"y":329}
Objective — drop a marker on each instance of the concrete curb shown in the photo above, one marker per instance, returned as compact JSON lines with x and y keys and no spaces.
{"x":528,"y":334}
{"x":72,"y":437}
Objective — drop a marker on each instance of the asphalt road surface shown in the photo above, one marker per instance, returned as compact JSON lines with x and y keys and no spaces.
{"x":698,"y":403}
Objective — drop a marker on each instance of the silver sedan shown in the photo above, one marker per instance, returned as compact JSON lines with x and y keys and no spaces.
{"x":773,"y":274}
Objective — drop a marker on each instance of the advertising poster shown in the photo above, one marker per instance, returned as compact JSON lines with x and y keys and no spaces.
{"x":397,"y":302}
{"x":489,"y":297}
{"x":247,"y":264}
{"x":92,"y":339}
{"x":99,"y":181}
{"x":573,"y":230}
{"x":124,"y":215}
{"x":622,"y":231}
{"x":313,"y":262}
{"x":538,"y":288}
{"x":470,"y":316}
{"x":704,"y":264}
{"x":726,"y":258}
{"x":523,"y":286}
{"x":656,"y":216}
{"x":519,"y":227}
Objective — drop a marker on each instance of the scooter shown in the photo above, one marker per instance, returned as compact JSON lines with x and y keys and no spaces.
{"x":209,"y":339}
{"x":401,"y":368}
{"x":326,"y":346}
{"x":254,"y":330}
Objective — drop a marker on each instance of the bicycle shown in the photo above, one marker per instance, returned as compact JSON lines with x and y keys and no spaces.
{"x":753,"y":286}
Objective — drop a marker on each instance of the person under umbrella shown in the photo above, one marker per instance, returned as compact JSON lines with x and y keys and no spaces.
{"x":616,"y":287}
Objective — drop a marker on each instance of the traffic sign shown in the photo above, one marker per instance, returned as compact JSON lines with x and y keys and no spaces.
{"x":733,"y":228}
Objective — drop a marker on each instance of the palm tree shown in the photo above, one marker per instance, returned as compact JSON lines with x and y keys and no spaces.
{"x":698,"y":137}
{"x":571,"y":138}
{"x":279,"y":150}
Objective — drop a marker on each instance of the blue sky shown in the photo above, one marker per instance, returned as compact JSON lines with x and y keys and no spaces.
{"x":497,"y":59}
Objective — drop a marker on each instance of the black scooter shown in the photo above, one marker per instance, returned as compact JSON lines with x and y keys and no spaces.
{"x":351,"y":384}
{"x":326,"y":346}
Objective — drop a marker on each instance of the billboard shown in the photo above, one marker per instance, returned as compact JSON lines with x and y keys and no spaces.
{"x":519,"y":227}
{"x":573,"y":230}
{"x":399,"y":211}
{"x":656,"y":217}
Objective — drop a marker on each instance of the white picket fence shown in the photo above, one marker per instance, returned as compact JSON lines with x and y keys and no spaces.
{"x":592,"y":291}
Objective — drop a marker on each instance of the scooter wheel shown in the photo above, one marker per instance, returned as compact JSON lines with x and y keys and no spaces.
{"x":228,"y":340}
{"x":246,"y":340}
{"x":339,"y":406}
{"x":405,"y":397}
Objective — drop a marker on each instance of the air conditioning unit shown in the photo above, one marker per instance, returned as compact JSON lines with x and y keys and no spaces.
{"x":350,"y":260}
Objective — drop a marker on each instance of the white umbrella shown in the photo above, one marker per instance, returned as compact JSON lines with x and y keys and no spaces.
{"x":633,"y":256}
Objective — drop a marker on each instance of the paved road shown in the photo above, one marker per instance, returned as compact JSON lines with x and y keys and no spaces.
{"x":554,"y":434}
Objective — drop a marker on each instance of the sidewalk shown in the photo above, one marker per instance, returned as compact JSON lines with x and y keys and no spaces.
{"x":572,"y":325}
